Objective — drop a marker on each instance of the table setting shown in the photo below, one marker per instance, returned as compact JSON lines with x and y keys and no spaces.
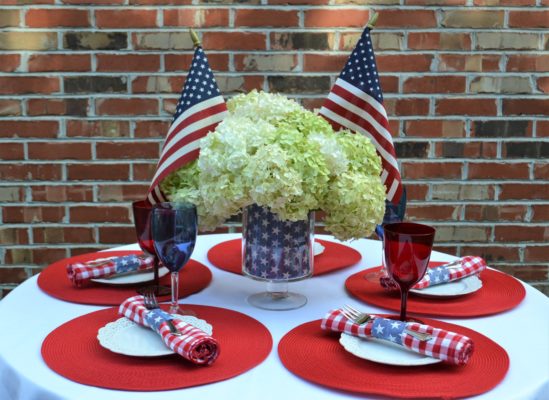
{"x":276,"y":310}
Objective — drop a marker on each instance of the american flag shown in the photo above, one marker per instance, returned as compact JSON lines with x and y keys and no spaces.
{"x":276,"y":249}
{"x":199,"y":109}
{"x":356,"y":103}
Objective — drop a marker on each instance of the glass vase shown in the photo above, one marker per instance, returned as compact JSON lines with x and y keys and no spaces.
{"x":277,"y":252}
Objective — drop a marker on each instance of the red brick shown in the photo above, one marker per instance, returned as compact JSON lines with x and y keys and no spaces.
{"x":125,"y":18}
{"x":12,"y":151}
{"x":60,"y":194}
{"x":520,"y":233}
{"x":525,"y":107}
{"x":501,"y":212}
{"x":541,"y":171}
{"x":12,"y":275}
{"x":543,"y":84}
{"x":65,"y":234}
{"x":411,"y":106}
{"x":416,"y":191}
{"x":133,"y":106}
{"x":144,"y":171}
{"x":227,"y":40}
{"x":536,"y":253}
{"x":93,"y":2}
{"x":157,"y":84}
{"x":404,"y":63}
{"x":59,"y":151}
{"x":160,"y":2}
{"x":128,"y":62}
{"x":435,"y":128}
{"x":19,"y":172}
{"x":498,"y":3}
{"x":433,"y":212}
{"x":469,"y":62}
{"x":86,"y":214}
{"x":523,"y":191}
{"x":33,"y":214}
{"x":202,"y":17}
{"x":93,"y":172}
{"x":321,"y":18}
{"x":126,"y":150}
{"x":489,"y":170}
{"x":542,"y":129}
{"x":540,"y":212}
{"x":9,"y":62}
{"x":435,"y":84}
{"x":102,"y":128}
{"x":407,"y":19}
{"x":524,"y":62}
{"x":59,"y":62}
{"x":466,"y":106}
{"x":113,"y":192}
{"x":492,"y":253}
{"x":431,"y":170}
{"x":439,"y":41}
{"x":117,"y":235}
{"x":57,"y":107}
{"x":529,"y":19}
{"x":151,"y":129}
{"x":28,"y":84}
{"x":324,"y":62}
{"x":297,"y":2}
{"x":181,"y":62}
{"x":389,"y":84}
{"x":56,"y":17}
{"x":28,"y":129}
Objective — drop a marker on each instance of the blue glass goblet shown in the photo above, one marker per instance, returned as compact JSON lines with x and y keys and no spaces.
{"x":174,"y":230}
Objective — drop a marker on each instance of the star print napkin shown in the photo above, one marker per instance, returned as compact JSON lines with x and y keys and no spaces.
{"x":467,"y":266}
{"x":194,"y":344}
{"x":80,"y":273}
{"x":448,"y":346}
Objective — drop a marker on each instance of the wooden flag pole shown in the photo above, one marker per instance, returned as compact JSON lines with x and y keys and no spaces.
{"x":372,"y":21}
{"x":194,"y":37}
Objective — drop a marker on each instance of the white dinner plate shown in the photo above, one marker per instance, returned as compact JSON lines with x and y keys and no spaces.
{"x":126,"y":337}
{"x":469,"y":284}
{"x":132,"y":278}
{"x":317,"y":248}
{"x":383,"y":352}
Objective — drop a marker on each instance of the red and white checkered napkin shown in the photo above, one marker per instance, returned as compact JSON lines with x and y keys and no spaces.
{"x":80,"y":273}
{"x":465,"y":266}
{"x":194,"y":344}
{"x":445,"y":345}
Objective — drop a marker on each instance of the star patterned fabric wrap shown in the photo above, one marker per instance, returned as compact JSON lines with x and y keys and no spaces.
{"x":194,"y":344}
{"x":465,"y":266}
{"x":80,"y":273}
{"x":275,"y":249}
{"x":447,"y":346}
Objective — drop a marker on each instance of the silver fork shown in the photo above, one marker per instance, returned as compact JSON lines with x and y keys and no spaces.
{"x":150,"y":302}
{"x":360,"y":318}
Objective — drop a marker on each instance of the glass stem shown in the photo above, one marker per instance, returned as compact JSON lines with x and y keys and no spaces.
{"x":155,"y":268}
{"x":403,"y":300}
{"x":277,"y":290}
{"x":175,"y":293}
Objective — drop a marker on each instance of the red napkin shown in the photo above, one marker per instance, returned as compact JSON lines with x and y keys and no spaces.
{"x":444,"y":345}
{"x":466,"y":266}
{"x":80,"y":273}
{"x":194,"y":344}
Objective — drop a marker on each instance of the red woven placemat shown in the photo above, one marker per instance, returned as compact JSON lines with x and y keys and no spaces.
{"x":53,"y":280}
{"x":228,"y":256}
{"x":500,"y":292}
{"x":317,"y":356}
{"x":73,"y":351}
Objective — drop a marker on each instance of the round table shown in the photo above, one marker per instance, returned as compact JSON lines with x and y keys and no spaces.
{"x":28,"y":315}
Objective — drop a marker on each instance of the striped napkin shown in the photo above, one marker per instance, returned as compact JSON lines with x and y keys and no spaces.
{"x":448,"y":346}
{"x":465,"y":266}
{"x":80,"y":273}
{"x":194,"y":344}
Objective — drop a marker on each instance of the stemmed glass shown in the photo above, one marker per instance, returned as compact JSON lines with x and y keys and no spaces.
{"x":142,"y":212}
{"x":406,"y":249}
{"x":174,"y":229}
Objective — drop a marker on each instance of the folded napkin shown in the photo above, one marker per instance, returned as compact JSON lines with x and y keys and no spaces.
{"x":444,"y":345}
{"x":194,"y":344}
{"x":467,"y":266}
{"x":79,"y":273}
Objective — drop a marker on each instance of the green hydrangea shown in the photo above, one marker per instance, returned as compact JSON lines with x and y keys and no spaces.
{"x":272,"y":152}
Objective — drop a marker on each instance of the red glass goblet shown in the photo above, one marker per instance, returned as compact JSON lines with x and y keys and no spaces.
{"x":142,"y":214}
{"x":406,"y":250}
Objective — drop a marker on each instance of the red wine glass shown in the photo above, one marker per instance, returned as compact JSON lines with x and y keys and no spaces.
{"x":406,"y":249}
{"x":174,"y":230}
{"x":142,"y":212}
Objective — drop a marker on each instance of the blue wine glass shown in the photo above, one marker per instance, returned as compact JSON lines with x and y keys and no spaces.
{"x":174,"y":230}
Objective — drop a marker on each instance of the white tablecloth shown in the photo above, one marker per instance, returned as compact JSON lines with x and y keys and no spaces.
{"x":27,"y":315}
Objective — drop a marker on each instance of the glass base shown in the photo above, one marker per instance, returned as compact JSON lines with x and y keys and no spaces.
{"x":277,"y":301}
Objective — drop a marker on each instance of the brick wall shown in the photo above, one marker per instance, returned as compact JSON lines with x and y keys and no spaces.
{"x":87,"y":89}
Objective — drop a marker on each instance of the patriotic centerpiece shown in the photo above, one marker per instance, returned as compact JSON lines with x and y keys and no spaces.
{"x":270,"y":151}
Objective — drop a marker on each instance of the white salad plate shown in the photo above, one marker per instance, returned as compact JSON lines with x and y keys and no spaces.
{"x":383,"y":351}
{"x":469,"y":284}
{"x":132,"y":278}
{"x":126,"y":337}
